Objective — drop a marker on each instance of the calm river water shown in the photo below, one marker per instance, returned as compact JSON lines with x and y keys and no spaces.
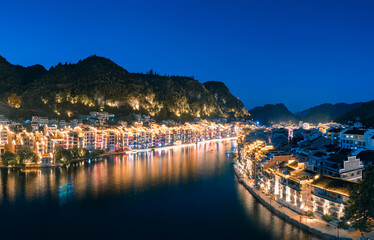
{"x":181,"y":193}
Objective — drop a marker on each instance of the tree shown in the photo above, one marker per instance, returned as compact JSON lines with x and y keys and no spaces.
{"x":327,"y":217}
{"x":25,"y":154}
{"x":9,"y":159}
{"x":74,"y":152}
{"x":62,"y":155}
{"x":97,"y":152}
{"x":83,"y":152}
{"x":359,"y":210}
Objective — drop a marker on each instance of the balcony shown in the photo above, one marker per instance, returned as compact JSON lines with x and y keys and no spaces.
{"x":328,"y":196}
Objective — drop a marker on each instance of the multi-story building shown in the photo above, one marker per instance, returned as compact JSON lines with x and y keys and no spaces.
{"x":357,"y":139}
{"x":291,"y":184}
{"x":333,"y":134}
{"x":328,"y":195}
{"x":50,"y":129}
{"x":288,"y":183}
{"x":353,"y":138}
{"x":342,"y":166}
{"x":89,"y":139}
{"x":110,"y":139}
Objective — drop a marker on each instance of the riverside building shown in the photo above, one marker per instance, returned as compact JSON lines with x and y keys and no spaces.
{"x":290,"y":183}
{"x":110,"y":139}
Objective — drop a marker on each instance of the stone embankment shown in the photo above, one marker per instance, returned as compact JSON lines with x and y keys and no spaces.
{"x":314,"y":226}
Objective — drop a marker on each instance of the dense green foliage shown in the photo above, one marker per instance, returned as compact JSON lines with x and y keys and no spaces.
{"x":310,"y":213}
{"x":327,"y":217}
{"x":23,"y":155}
{"x":359,"y":210}
{"x":97,"y":83}
{"x":9,"y":159}
{"x":62,"y":156}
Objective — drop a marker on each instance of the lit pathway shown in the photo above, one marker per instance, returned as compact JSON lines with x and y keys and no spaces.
{"x":315,"y":223}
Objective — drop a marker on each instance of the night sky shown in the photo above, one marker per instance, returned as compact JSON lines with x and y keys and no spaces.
{"x":301,"y":53}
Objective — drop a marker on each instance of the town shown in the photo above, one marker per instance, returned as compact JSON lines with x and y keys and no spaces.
{"x":49,"y":142}
{"x":309,"y":170}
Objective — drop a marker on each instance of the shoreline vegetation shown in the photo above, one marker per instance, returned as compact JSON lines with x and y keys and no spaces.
{"x":65,"y":157}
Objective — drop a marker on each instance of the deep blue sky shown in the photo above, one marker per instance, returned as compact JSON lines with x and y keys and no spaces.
{"x":301,"y":53}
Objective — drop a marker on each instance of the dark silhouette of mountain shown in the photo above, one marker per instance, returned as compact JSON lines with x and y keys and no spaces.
{"x":340,"y":112}
{"x":326,"y":112}
{"x":364,"y":113}
{"x":226,"y":101}
{"x":97,"y":83}
{"x":14,"y":78}
{"x":271,"y":113}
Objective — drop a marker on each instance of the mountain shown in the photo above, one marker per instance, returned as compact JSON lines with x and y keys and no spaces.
{"x":14,"y":78}
{"x":97,"y":83}
{"x":340,"y":112}
{"x":326,"y":112}
{"x":225,"y":100}
{"x":364,"y":113}
{"x":271,"y":113}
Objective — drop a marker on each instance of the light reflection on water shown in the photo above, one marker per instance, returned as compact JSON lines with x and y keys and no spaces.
{"x":120,"y":173}
{"x":267,"y":221}
{"x":186,"y":187}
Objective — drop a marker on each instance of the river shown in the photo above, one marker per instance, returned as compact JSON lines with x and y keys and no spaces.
{"x":181,"y":193}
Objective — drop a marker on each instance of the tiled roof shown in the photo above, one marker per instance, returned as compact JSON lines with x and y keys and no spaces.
{"x":319,"y":154}
{"x":277,"y":160}
{"x":320,"y":142}
{"x":355,"y":131}
{"x":332,"y":184}
{"x":336,"y":158}
{"x":336,"y":130}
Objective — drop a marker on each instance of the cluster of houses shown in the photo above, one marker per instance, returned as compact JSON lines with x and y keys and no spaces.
{"x":309,"y":169}
{"x":45,"y":135}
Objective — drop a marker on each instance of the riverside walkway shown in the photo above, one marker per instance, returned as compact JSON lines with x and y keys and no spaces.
{"x":135,"y":151}
{"x":129,"y":152}
{"x":315,"y":226}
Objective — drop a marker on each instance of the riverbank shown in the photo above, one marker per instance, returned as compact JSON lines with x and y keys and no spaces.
{"x":314,"y":226}
{"x":107,"y":154}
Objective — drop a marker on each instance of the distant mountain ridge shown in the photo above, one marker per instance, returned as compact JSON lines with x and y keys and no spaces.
{"x":97,"y":83}
{"x":272,"y":113}
{"x":364,"y":113}
{"x":340,"y":112}
{"x":327,"y":112}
